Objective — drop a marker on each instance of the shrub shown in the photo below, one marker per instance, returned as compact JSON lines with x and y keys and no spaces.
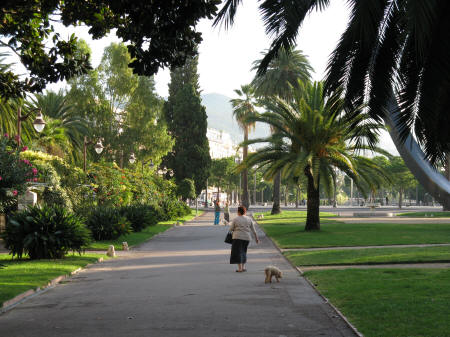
{"x":45,"y":233}
{"x":106,"y":223}
{"x":56,"y":196}
{"x":173,"y":208}
{"x":140,"y":216}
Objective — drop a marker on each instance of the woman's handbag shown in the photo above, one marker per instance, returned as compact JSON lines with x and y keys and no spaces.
{"x":229,"y":237}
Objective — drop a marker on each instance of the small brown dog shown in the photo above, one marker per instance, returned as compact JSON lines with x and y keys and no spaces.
{"x":271,"y":271}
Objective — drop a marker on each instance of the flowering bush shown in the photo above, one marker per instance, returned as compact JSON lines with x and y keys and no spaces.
{"x":14,"y":172}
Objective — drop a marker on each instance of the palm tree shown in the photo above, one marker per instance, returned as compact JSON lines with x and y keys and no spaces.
{"x":282,"y":76}
{"x":55,"y":107}
{"x":243,"y":108}
{"x":317,"y":138}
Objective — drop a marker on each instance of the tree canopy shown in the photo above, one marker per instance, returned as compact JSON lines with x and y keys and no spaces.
{"x":157,"y":34}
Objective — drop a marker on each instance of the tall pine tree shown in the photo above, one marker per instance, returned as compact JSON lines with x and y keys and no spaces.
{"x":187,"y":123}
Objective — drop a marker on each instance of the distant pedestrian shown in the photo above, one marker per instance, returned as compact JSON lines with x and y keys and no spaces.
{"x":241,"y":226}
{"x":226,"y":212}
{"x":216,"y":212}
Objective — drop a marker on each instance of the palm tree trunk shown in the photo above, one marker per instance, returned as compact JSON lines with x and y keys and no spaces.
{"x":276,"y":194}
{"x":313,"y":203}
{"x":286,"y":195}
{"x":245,"y":196}
{"x":296,"y":196}
{"x":446,"y":201}
{"x":400,"y":198}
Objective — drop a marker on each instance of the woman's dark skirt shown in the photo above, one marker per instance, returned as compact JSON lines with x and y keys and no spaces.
{"x":239,"y":251}
{"x":226,"y":216}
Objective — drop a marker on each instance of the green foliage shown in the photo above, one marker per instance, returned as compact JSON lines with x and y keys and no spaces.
{"x":186,"y":189}
{"x":140,"y":216}
{"x":148,"y":31}
{"x":64,"y":179}
{"x":172,"y":209}
{"x":45,"y":233}
{"x":14,"y":172}
{"x":56,"y":197}
{"x":187,"y":122}
{"x":107,"y":223}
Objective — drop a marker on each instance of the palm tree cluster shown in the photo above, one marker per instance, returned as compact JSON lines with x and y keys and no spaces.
{"x":390,"y":47}
{"x":313,"y":134}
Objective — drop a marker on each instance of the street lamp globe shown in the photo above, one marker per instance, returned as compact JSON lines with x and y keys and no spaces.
{"x":98,"y":147}
{"x":132,"y":158}
{"x":39,"y":123}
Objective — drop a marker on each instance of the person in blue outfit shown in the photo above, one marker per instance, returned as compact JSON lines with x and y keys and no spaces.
{"x":217,"y":212}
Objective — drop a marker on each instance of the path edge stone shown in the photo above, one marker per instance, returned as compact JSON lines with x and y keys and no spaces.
{"x":338,"y":312}
{"x":12,"y":303}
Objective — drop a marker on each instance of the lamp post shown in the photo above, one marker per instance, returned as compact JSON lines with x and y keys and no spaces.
{"x":38,"y":124}
{"x":98,"y":147}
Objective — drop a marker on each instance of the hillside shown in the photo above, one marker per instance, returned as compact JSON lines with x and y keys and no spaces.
{"x":220,"y":117}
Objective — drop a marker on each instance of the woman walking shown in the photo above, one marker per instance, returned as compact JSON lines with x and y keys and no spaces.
{"x":241,"y":226}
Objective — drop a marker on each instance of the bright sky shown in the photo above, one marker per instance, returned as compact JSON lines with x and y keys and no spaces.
{"x":226,"y":57}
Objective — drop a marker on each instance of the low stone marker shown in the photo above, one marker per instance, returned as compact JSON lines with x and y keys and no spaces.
{"x":125,"y":246}
{"x":111,"y":251}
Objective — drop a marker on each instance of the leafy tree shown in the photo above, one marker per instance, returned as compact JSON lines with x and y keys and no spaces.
{"x":157,"y":33}
{"x":401,"y":177}
{"x":221,"y":172}
{"x":243,"y":108}
{"x":186,"y":189}
{"x":283,"y":75}
{"x":187,"y":123}
{"x":317,"y":137}
{"x":122,"y":109}
{"x":401,"y":45}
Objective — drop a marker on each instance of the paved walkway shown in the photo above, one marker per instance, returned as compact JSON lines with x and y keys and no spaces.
{"x":179,"y":284}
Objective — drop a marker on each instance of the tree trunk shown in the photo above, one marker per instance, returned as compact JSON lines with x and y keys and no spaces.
{"x":446,"y":201}
{"x":276,"y":194}
{"x":245,"y":195}
{"x":400,"y":198}
{"x":296,"y":196}
{"x":313,"y":203}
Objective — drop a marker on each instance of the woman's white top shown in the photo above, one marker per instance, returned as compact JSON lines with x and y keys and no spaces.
{"x":241,"y":227}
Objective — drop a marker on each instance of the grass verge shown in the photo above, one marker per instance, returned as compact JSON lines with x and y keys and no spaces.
{"x":18,"y":276}
{"x":134,"y":239}
{"x":369,"y":256}
{"x":287,"y":230}
{"x":437,"y":214}
{"x":390,"y":302}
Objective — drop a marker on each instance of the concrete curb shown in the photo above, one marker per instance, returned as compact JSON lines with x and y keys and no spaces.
{"x":10,"y":304}
{"x":353,"y":328}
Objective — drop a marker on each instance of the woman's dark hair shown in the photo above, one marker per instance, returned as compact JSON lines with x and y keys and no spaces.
{"x":242,"y":210}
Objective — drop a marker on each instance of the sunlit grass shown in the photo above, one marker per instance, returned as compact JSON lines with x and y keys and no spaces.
{"x":369,"y":256}
{"x":18,"y":276}
{"x":390,"y":302}
{"x":437,"y":214}
{"x":287,"y":230}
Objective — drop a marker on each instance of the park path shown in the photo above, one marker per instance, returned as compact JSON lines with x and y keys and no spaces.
{"x":179,"y":284}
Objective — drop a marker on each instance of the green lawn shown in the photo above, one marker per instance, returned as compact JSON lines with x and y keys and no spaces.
{"x":287,"y":230}
{"x":437,"y":214}
{"x":390,"y":302}
{"x":18,"y":276}
{"x":134,"y":239}
{"x":369,"y":256}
